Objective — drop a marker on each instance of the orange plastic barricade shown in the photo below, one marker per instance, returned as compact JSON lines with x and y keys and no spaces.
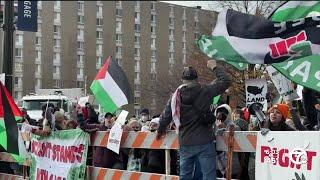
{"x":243,"y":142}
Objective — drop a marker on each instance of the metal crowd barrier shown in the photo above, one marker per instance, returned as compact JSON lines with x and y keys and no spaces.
{"x":242,"y":141}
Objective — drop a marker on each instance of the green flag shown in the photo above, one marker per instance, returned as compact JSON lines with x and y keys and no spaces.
{"x":305,"y":71}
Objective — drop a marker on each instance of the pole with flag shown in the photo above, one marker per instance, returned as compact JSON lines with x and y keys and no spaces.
{"x":9,"y":132}
{"x":111,"y":87}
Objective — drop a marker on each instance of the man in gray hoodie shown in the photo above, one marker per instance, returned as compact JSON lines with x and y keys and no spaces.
{"x":188,"y":108}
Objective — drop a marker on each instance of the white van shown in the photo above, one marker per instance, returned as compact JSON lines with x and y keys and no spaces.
{"x":34,"y":103}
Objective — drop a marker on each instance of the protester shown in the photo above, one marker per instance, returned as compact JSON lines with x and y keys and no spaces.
{"x":156,"y":157}
{"x":60,"y":121}
{"x":189,"y":107}
{"x":137,"y":157}
{"x":223,"y":123}
{"x":144,"y":116}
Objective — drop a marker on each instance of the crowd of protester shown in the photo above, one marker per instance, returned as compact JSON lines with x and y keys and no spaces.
{"x":297,"y":115}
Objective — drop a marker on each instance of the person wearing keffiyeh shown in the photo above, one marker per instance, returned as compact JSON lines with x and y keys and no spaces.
{"x":186,"y":109}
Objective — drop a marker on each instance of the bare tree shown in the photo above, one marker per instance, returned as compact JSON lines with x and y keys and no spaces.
{"x":258,"y":8}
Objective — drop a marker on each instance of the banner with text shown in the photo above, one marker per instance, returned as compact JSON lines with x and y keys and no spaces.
{"x":293,"y":156}
{"x":256,"y":91}
{"x":27,"y":16}
{"x":62,"y":155}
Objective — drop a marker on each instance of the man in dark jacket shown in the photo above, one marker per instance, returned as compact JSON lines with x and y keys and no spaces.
{"x":186,"y":108}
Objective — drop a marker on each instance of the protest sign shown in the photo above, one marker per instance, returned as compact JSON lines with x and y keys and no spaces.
{"x":116,"y":132}
{"x":256,"y":91}
{"x":283,"y":156}
{"x":282,"y":84}
{"x":62,"y":155}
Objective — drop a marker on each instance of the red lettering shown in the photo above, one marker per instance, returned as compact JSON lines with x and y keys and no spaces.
{"x":265,"y":151}
{"x":292,"y":164}
{"x":283,"y":159}
{"x":80,"y":152}
{"x":274,"y":51}
{"x":310,"y":155}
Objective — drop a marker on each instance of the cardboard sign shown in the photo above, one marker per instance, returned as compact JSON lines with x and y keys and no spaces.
{"x":256,"y":91}
{"x":284,"y":155}
{"x":282,"y":84}
{"x":116,"y":132}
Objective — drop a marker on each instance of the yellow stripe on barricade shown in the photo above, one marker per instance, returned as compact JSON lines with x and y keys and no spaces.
{"x":145,"y":140}
{"x":114,"y":174}
{"x":10,"y":176}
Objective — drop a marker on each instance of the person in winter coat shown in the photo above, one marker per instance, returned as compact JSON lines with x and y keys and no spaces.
{"x":223,"y":123}
{"x":189,"y":108}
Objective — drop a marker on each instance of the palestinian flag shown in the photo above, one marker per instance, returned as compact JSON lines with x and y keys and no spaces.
{"x":9,"y":114}
{"x":252,"y":39}
{"x":111,"y":87}
{"x":305,"y":71}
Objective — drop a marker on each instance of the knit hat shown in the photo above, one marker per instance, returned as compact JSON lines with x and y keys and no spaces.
{"x":189,"y":73}
{"x":283,"y":108}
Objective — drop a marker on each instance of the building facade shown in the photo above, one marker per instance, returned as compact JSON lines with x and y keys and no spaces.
{"x":150,"y":40}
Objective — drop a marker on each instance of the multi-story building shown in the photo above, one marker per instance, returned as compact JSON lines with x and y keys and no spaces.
{"x":150,"y":40}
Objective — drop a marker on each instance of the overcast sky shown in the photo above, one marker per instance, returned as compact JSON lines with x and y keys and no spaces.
{"x":209,"y":5}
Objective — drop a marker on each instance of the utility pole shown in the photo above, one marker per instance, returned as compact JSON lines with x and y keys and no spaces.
{"x":8,"y":30}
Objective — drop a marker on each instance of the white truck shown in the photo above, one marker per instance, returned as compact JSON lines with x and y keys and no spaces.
{"x":33,"y":103}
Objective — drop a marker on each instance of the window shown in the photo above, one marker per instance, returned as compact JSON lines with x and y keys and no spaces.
{"x":18,"y":52}
{"x":56,"y":69}
{"x":38,"y":83}
{"x":80,"y":33}
{"x":118,"y":38}
{"x":119,"y":61}
{"x":18,"y":67}
{"x":137,"y":87}
{"x":119,"y":50}
{"x":153,"y":67}
{"x":39,"y":27}
{"x":153,"y":53}
{"x":56,"y":30}
{"x":39,"y":12}
{"x":196,"y":35}
{"x":38,"y":55}
{"x":99,"y":34}
{"x":99,"y":49}
{"x":99,"y":60}
{"x":136,"y":51}
{"x":171,"y":45}
{"x":57,"y":56}
{"x":80,"y":45}
{"x":196,"y":24}
{"x":153,"y":29}
{"x":118,"y":12}
{"x":57,"y":83}
{"x":153,"y":42}
{"x":118,"y":3}
{"x":99,"y":22}
{"x":183,"y":45}
{"x":137,"y":27}
{"x":80,"y":19}
{"x":39,"y":3}
{"x":38,"y":40}
{"x":16,"y":80}
{"x":171,"y":55}
{"x":137,"y":4}
{"x":79,"y":84}
{"x":57,"y":16}
{"x":137,"y":75}
{"x":99,"y":9}
{"x":153,"y":6}
{"x":171,"y":21}
{"x":57,"y":4}
{"x":80,"y":58}
{"x":137,"y":17}
{"x":38,"y":69}
{"x":184,"y":23}
{"x":153,"y":18}
{"x":171,"y":32}
{"x":136,"y":39}
{"x":80,"y":6}
{"x":118,"y":26}
{"x":56,"y":42}
{"x":19,"y":39}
